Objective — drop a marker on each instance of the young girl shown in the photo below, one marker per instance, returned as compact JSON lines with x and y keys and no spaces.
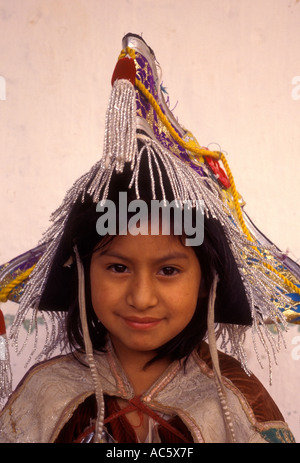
{"x":140,"y":310}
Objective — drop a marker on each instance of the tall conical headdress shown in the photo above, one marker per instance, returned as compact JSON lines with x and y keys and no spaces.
{"x":140,"y":124}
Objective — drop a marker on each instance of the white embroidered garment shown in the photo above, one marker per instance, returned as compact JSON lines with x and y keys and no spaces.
{"x":52,"y":391}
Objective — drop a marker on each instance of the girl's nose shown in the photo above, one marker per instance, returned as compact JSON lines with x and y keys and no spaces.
{"x":141,"y":293}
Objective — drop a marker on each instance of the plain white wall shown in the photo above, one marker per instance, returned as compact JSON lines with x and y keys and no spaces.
{"x":232,"y":68}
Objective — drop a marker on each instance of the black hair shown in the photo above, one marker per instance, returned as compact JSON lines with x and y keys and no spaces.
{"x":213,"y":255}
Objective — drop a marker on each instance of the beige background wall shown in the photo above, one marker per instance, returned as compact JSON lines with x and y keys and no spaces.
{"x":231,"y":66}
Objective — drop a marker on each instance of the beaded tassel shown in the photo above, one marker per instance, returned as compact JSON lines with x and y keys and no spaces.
{"x":120,"y":141}
{"x":5,"y":369}
{"x":89,"y":350}
{"x":215,"y":361}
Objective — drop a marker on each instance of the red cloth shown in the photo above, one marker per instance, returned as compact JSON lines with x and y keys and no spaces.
{"x":119,"y":427}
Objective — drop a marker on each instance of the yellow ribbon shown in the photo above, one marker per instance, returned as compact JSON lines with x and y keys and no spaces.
{"x":4,"y":293}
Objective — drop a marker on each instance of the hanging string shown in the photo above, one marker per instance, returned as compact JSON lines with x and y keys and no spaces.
{"x":89,"y":349}
{"x":215,"y":360}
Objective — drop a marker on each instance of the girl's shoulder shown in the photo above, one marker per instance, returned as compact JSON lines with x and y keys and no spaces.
{"x":57,"y":368}
{"x":40,"y":404}
{"x":258,"y":398}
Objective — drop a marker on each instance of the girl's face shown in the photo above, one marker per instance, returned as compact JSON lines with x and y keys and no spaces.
{"x":144,"y":290}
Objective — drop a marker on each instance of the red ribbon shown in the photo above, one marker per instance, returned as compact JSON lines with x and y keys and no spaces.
{"x":2,"y":324}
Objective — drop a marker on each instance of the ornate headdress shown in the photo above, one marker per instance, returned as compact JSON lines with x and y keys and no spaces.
{"x":139,"y":125}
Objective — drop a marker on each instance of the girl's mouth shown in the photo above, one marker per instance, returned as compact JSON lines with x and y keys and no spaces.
{"x":142,"y":323}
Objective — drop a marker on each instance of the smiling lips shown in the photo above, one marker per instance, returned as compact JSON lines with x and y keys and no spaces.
{"x":141,"y":323}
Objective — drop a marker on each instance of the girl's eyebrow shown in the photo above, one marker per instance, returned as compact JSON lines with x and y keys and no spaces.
{"x":166,"y":257}
{"x":172,"y":256}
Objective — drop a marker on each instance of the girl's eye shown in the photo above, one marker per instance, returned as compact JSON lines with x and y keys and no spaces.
{"x":117,"y":268}
{"x":169,"y":271}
